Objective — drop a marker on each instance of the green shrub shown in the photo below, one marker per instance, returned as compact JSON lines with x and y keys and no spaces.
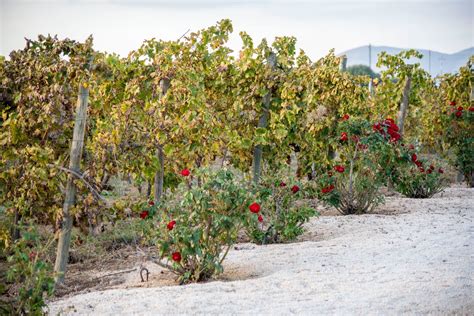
{"x":420,"y":179}
{"x":28,"y":275}
{"x":355,"y":192}
{"x":464,"y":160}
{"x":282,"y":215}
{"x":458,"y":119}
{"x":199,"y":222}
{"x":368,"y":157}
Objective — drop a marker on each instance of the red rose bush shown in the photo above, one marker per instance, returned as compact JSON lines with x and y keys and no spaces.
{"x":419,"y":178}
{"x":197,"y":224}
{"x":365,"y":161}
{"x":281,"y":214}
{"x":459,"y":136}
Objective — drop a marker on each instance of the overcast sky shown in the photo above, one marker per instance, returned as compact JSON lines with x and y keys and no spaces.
{"x":319,"y":25}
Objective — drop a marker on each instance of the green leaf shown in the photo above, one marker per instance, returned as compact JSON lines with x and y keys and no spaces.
{"x":168,"y":149}
{"x":17,"y":97}
{"x":280,"y":133}
{"x":260,"y":131}
{"x":246,"y":143}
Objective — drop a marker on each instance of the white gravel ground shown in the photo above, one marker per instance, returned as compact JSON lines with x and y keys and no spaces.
{"x":417,"y":260}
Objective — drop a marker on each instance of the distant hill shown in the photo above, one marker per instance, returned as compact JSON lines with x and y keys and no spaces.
{"x":440,"y":63}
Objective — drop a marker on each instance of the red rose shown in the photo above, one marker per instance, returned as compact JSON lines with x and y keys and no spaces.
{"x":345,"y":117}
{"x":389,"y":121}
{"x":185,"y":172}
{"x":343,"y":137}
{"x":144,"y":214}
{"x":471,"y":109}
{"x":412,"y":147}
{"x":452,"y":103}
{"x":418,"y":163}
{"x":429,"y":171}
{"x":282,"y":184}
{"x":328,"y":189}
{"x":395,"y":138}
{"x":431,"y":167}
{"x":170,"y":225}
{"x":339,"y":168}
{"x":394,"y":135}
{"x":295,"y":189}
{"x":32,"y":255}
{"x":254,"y":207}
{"x":377,"y":127}
{"x":393,"y":127}
{"x":260,"y":218}
{"x":458,"y":114}
{"x":151,"y":203}
{"x":422,"y":169}
{"x":414,"y":157}
{"x":176,"y":256}
{"x":440,"y":170}
{"x":460,"y":108}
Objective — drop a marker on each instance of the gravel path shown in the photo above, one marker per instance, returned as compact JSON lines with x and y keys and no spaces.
{"x":418,"y":259}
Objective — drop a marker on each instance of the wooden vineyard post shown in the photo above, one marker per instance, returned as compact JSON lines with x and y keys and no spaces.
{"x":263,"y":122}
{"x":331,"y":153}
{"x":159,"y":175}
{"x":77,"y":144}
{"x":404,"y":106}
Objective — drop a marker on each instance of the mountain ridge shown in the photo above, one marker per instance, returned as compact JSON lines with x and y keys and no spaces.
{"x":436,"y":63}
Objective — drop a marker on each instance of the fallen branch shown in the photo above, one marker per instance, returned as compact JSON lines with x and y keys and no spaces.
{"x":163,"y":265}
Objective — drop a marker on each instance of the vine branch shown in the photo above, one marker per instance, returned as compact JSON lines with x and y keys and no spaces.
{"x":80,"y":176}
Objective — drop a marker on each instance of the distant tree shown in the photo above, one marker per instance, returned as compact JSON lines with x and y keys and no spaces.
{"x":362,"y":70}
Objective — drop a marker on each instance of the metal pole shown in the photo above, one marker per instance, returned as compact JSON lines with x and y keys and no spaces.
{"x":370,"y":56}
{"x":429,"y":62}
